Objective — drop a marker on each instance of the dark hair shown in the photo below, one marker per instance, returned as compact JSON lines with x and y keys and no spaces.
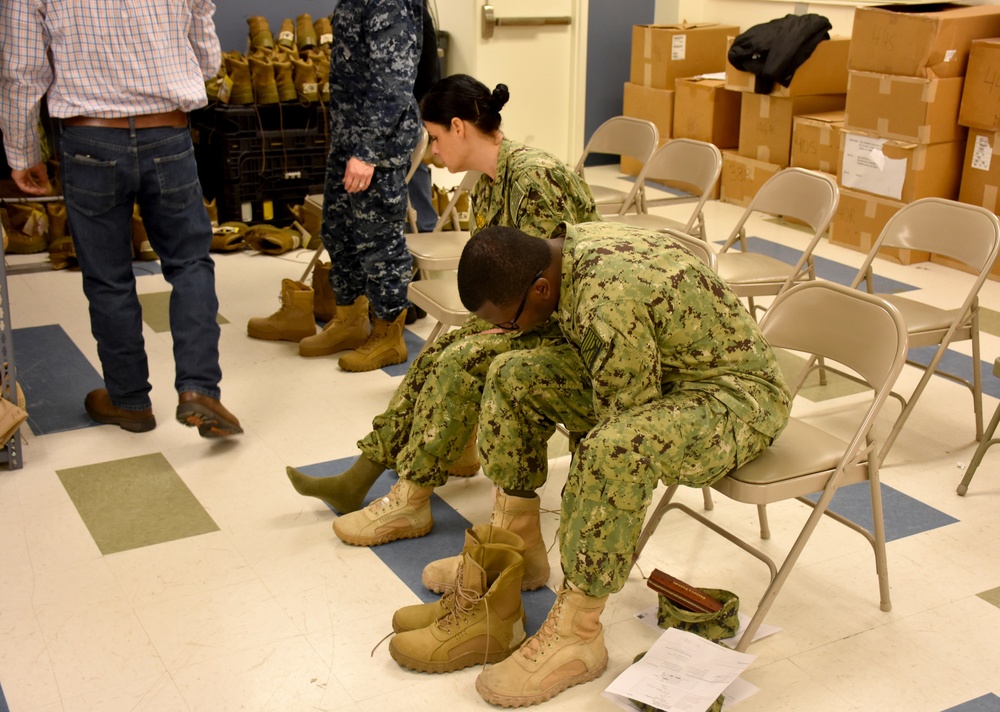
{"x":497,"y":264}
{"x":466,"y":98}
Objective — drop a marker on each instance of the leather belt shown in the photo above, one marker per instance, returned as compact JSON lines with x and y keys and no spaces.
{"x":173,"y":119}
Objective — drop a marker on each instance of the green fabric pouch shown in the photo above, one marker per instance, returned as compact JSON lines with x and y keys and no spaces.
{"x":712,"y":626}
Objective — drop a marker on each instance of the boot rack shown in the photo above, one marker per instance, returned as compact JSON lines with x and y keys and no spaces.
{"x":11,"y":451}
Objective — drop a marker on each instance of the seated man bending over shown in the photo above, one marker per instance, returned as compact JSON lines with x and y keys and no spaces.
{"x":663,"y":368}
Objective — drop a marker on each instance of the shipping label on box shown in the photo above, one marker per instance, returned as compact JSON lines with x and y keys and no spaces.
{"x":825,"y":72}
{"x":766,"y":123}
{"x":859,"y":221}
{"x":906,"y":108}
{"x":816,"y":141}
{"x":908,"y":40}
{"x":742,"y":177}
{"x":981,"y":96}
{"x":704,"y":110}
{"x":898,"y":169}
{"x":661,"y":54}
{"x":981,"y":170}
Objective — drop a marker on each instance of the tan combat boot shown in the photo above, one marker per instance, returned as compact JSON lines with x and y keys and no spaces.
{"x":283,"y":78}
{"x":404,"y":513}
{"x":439,"y":576}
{"x":305,"y":80}
{"x":293,"y":321}
{"x":260,"y":32}
{"x":321,"y":58}
{"x":62,"y":254}
{"x":567,"y":650}
{"x":384,"y":347}
{"x":237,"y":88}
{"x":467,"y":463}
{"x":324,"y":298}
{"x":483,"y":621}
{"x":348,"y":329}
{"x":265,"y":90}
{"x":286,"y":33}
{"x":324,"y":31}
{"x":305,"y":33}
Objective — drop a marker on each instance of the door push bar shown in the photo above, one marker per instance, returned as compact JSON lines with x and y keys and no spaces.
{"x":491,"y":21}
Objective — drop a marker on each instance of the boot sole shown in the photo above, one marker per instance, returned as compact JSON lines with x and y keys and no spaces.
{"x":384,"y":538}
{"x":460,"y":663}
{"x":284,"y":336}
{"x":374,"y":365}
{"x":495,"y":698}
{"x":208,"y":423}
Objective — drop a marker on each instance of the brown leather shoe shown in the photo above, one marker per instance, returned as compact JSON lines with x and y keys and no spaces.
{"x":100,"y":408}
{"x":208,"y":414}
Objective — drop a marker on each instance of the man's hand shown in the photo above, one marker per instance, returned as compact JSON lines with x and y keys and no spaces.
{"x":34,"y":180}
{"x":357,"y":175}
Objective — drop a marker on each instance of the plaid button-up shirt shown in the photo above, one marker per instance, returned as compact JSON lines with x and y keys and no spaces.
{"x":101,"y":58}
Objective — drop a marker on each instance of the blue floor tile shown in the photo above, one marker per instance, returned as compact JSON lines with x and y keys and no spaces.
{"x":987,"y":703}
{"x":3,"y":702}
{"x":413,"y":345}
{"x":55,"y":377}
{"x":407,"y":557}
{"x":903,"y":515}
{"x":960,"y":365}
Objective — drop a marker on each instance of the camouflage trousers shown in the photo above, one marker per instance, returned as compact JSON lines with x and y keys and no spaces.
{"x":434,"y":411}
{"x":686,"y":437}
{"x":363,"y":232}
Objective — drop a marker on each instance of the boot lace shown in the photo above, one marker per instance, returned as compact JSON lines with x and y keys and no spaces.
{"x":459,"y":602}
{"x":390,"y":501}
{"x":535,"y":646}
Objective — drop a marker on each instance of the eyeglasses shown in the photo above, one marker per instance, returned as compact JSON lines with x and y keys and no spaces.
{"x":512,"y":324}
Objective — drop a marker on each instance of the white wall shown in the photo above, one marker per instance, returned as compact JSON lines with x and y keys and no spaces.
{"x":747,"y":14}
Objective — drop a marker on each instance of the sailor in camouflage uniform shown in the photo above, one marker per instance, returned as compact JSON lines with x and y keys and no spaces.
{"x":428,"y":430}
{"x":662,"y":366}
{"x":374,"y":127}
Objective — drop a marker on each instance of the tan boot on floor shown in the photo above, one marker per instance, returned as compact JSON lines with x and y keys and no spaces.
{"x":384,"y":347}
{"x":348,"y":329}
{"x":484,"y":622}
{"x":293,"y":321}
{"x":566,"y":651}
{"x":324,"y":298}
{"x":439,"y":576}
{"x":404,"y":513}
{"x":467,"y":463}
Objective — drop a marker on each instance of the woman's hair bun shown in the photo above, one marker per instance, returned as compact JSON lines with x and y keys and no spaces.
{"x":500,"y":97}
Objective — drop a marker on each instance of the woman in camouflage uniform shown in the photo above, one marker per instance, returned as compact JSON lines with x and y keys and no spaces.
{"x":433,"y":414}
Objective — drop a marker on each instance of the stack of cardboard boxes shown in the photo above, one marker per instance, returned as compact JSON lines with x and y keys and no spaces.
{"x":662,"y":54}
{"x":901,"y":139}
{"x":767,"y":120}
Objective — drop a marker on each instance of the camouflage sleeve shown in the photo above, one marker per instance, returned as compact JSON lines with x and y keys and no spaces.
{"x":619,"y":347}
{"x":537,"y":205}
{"x":394,"y":37}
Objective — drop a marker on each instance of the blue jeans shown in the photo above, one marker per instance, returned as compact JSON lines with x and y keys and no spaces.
{"x":421,"y":198}
{"x":105,"y":171}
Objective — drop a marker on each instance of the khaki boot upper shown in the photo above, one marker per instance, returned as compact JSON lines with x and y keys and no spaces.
{"x":293,"y":321}
{"x":385,"y":347}
{"x":521,"y":515}
{"x":567,"y":650}
{"x":439,"y":576}
{"x":349,"y":329}
{"x":484,"y":622}
{"x":404,"y":513}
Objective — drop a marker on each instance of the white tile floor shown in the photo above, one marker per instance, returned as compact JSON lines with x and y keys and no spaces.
{"x":272,"y":612}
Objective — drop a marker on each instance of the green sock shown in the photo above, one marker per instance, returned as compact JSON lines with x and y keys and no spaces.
{"x":344,"y":492}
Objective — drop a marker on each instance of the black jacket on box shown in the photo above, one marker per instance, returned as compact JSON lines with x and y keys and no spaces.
{"x":775,"y":49}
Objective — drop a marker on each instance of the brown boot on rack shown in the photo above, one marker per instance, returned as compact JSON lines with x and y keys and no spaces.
{"x":286,"y":35}
{"x":324,"y":31}
{"x":305,"y":33}
{"x":62,"y":254}
{"x":283,"y":78}
{"x":304,"y":78}
{"x":260,"y":32}
{"x":26,"y":226}
{"x":293,"y":321}
{"x":237,"y":89}
{"x":265,"y":90}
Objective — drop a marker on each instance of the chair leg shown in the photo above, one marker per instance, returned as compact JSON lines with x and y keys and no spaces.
{"x":977,"y":375}
{"x":765,"y":530}
{"x":654,"y":520}
{"x":706,"y":493}
{"x":984,"y":445}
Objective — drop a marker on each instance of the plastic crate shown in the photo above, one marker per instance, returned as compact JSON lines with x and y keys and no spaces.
{"x":253,"y":119}
{"x":264,"y":203}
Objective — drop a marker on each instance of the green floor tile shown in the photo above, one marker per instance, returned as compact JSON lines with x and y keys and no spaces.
{"x":134,"y":502}
{"x":836,"y":386}
{"x":156,"y":311}
{"x":991,"y":596}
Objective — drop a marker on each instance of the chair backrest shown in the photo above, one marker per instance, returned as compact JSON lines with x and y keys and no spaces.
{"x":418,"y":153}
{"x":798,"y":193}
{"x":622,"y":136}
{"x":963,"y":232}
{"x":449,"y":214}
{"x":699,"y":248}
{"x":695,"y":164}
{"x":861,"y":331}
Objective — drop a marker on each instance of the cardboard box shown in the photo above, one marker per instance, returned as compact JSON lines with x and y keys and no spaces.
{"x":981,"y":170}
{"x":899,"y":170}
{"x":859,"y":221}
{"x":766,"y":123}
{"x":825,"y":72}
{"x":704,"y":110}
{"x":742,"y":177}
{"x":662,"y":54}
{"x":656,"y":105}
{"x":816,"y":141}
{"x":981,"y":96}
{"x":924,"y":40}
{"x":907,"y":108}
